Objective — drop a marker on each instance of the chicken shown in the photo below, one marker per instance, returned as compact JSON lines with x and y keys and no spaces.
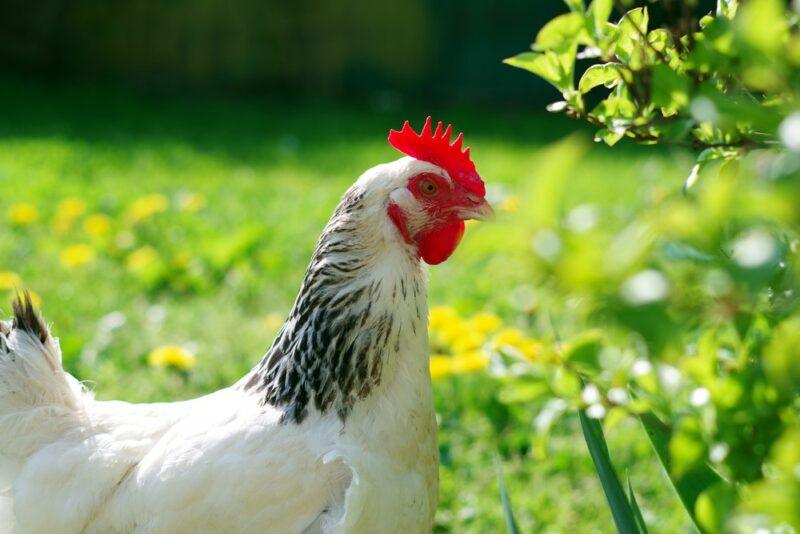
{"x":332,"y":431}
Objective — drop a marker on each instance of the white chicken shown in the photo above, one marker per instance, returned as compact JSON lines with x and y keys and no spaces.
{"x":333,"y":431}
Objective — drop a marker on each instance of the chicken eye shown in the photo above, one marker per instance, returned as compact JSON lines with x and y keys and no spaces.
{"x":428,"y":187}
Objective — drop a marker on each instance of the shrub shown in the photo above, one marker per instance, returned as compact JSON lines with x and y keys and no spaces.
{"x":694,"y":297}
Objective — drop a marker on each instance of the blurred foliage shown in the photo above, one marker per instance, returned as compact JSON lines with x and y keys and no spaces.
{"x":382,"y":52}
{"x":693,"y":297}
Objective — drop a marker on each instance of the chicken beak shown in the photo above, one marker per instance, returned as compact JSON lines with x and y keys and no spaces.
{"x":481,"y":211}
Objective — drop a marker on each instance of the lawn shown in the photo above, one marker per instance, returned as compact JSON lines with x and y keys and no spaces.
{"x":143,"y":223}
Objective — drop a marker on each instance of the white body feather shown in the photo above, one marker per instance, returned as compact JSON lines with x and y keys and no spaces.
{"x":223,"y":462}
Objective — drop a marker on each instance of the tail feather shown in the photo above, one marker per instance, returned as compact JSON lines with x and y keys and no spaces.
{"x":38,"y":400}
{"x":27,"y":319}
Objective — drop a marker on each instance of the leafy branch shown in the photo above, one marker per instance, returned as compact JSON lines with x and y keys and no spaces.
{"x":679,"y":84}
{"x":708,"y":303}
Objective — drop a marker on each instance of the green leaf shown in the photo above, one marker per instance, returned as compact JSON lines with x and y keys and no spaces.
{"x":584,"y":352}
{"x":686,"y":447}
{"x":763,"y":24}
{"x":728,"y":169}
{"x":599,"y":11}
{"x":659,"y":39}
{"x":709,"y":53}
{"x":565,"y":383}
{"x":691,"y":483}
{"x":574,"y":99}
{"x":606,"y":74}
{"x":606,"y":39}
{"x":670,"y":88}
{"x":632,"y":35}
{"x":781,"y":362}
{"x":508,"y":512}
{"x":678,"y":130}
{"x":556,"y":68}
{"x":607,"y":136}
{"x":561,"y":33}
{"x":637,"y":513}
{"x":727,"y":8}
{"x":614,"y":107}
{"x":735,"y":111}
{"x":621,"y":511}
{"x":779,"y":493}
{"x":715,"y":153}
{"x":714,"y":506}
{"x":636,"y":18}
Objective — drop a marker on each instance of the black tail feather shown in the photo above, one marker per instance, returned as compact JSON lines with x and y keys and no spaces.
{"x":27,"y":318}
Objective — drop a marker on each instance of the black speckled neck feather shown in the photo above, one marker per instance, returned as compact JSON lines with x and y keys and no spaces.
{"x":329,"y":353}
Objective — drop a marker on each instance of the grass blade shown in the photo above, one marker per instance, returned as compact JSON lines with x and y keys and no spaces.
{"x":617,"y":500}
{"x":694,"y":482}
{"x":508,"y":512}
{"x":637,"y":513}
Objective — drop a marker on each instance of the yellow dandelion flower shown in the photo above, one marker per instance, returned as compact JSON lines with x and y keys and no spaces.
{"x":467,"y":340}
{"x":442,"y":315}
{"x":67,"y":212}
{"x":191,"y":202}
{"x":141,"y":259}
{"x":97,"y":225}
{"x":173,"y":356}
{"x":77,"y":255}
{"x":9,"y":281}
{"x":450,"y":333}
{"x":23,"y":214}
{"x":509,"y":204}
{"x":470,"y":362}
{"x":509,"y":336}
{"x":484,"y":322}
{"x":145,"y":207}
{"x":514,"y":340}
{"x":441,"y":366}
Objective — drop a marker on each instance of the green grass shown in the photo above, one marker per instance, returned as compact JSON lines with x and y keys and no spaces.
{"x":271,"y":175}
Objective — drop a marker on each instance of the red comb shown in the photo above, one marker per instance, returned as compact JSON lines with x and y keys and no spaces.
{"x":434,"y":147}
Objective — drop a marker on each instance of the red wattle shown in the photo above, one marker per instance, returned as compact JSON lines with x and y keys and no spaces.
{"x":436,"y":246}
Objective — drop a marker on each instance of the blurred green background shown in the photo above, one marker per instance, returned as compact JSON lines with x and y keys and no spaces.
{"x":379,"y":52}
{"x":166,"y":166}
